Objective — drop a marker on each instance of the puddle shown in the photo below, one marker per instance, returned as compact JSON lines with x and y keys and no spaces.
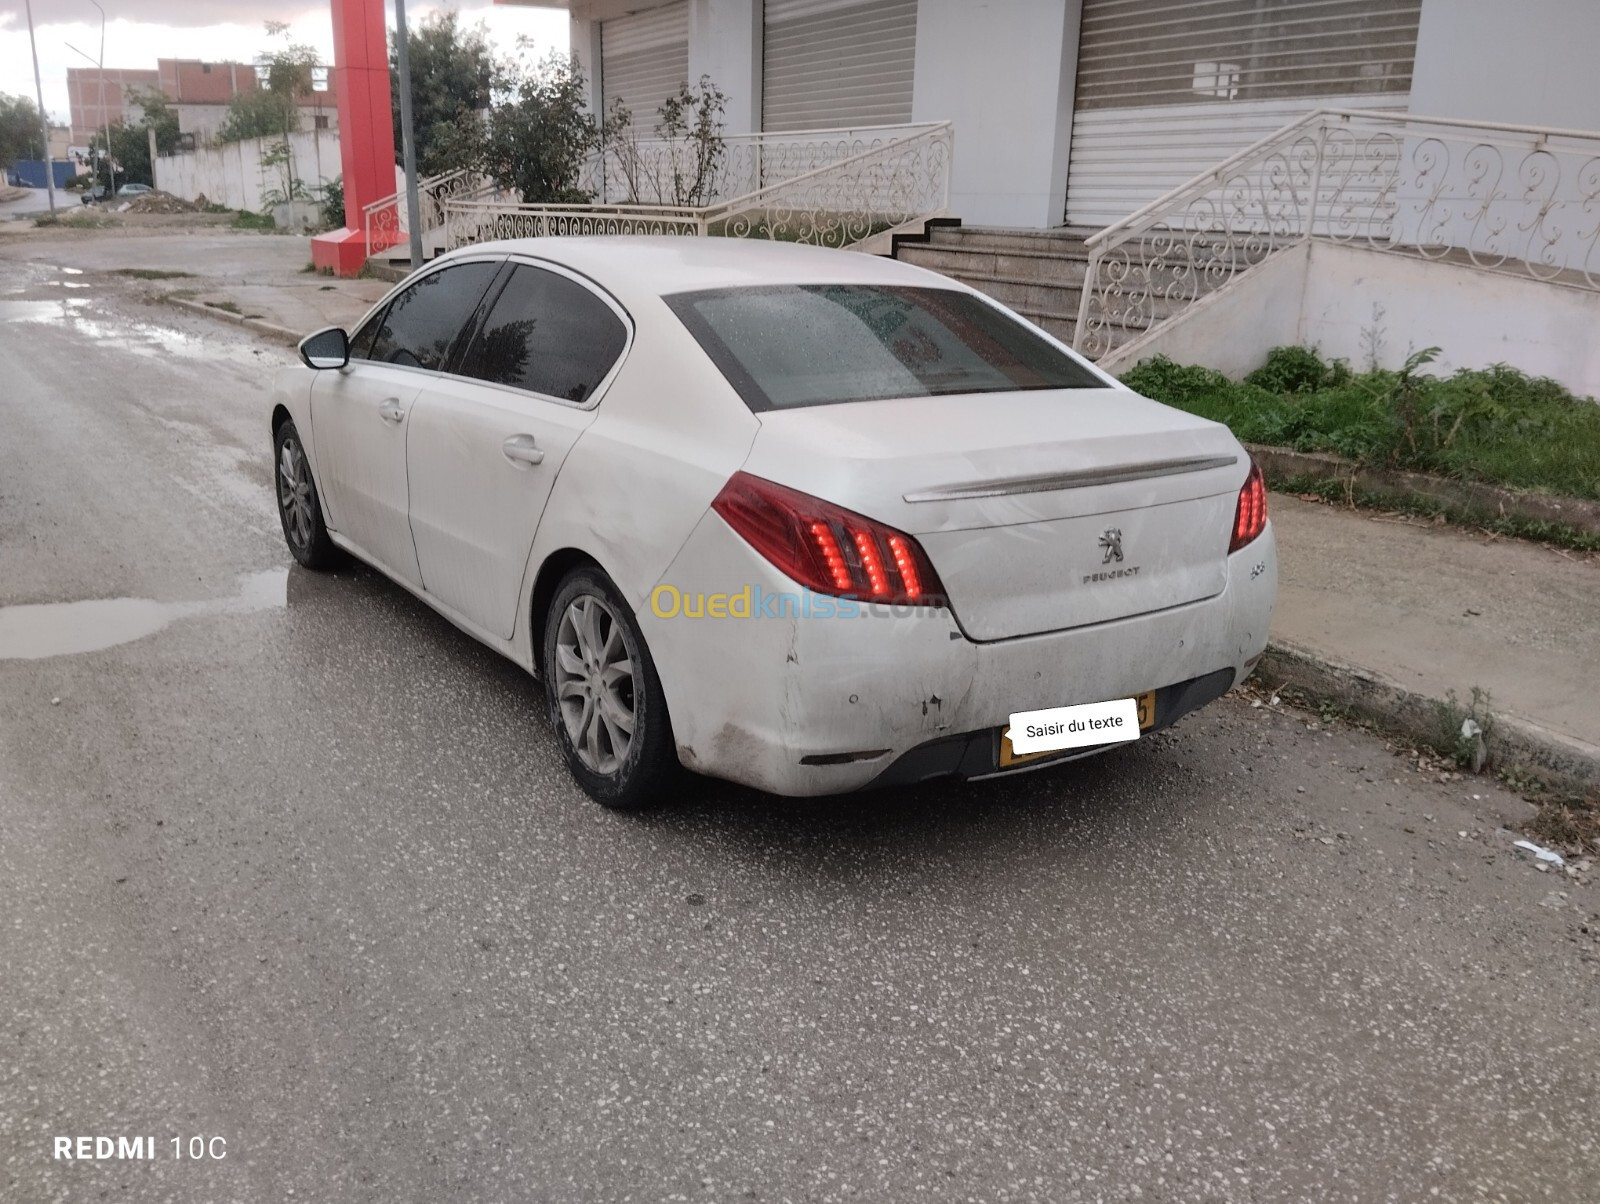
{"x":66,"y":628}
{"x":137,"y":336}
{"x":41,"y":311}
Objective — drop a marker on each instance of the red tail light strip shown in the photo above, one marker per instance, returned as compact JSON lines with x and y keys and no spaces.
{"x":827,"y":548}
{"x":1250,"y":517}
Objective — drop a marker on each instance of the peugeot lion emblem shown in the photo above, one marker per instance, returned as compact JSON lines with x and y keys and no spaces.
{"x":1111,"y":543}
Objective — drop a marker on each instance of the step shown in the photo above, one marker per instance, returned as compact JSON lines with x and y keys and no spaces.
{"x":1011,"y":265}
{"x":1008,"y":239}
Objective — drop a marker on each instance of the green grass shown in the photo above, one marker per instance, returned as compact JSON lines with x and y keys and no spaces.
{"x":1494,"y":425}
{"x":231,"y":307}
{"x":151,"y":273}
{"x":245,"y":220}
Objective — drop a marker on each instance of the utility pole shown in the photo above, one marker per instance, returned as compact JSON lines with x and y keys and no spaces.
{"x":111,"y":164}
{"x":44,"y":121}
{"x":408,"y":141}
{"x":100,"y":70}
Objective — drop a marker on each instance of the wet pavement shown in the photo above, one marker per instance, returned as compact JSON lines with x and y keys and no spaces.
{"x":287,"y":860}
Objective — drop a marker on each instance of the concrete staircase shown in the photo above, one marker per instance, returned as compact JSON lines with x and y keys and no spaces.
{"x":1038,"y":273}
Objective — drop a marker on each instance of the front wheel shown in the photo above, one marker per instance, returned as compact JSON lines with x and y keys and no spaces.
{"x":605,"y":699}
{"x":299,"y":507}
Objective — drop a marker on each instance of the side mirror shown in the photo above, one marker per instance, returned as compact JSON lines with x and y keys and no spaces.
{"x":328,"y":348}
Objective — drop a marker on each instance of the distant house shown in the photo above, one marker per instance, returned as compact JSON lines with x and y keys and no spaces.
{"x":198,"y":90}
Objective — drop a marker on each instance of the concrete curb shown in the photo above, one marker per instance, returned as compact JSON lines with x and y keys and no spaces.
{"x":1489,"y":501}
{"x":271,"y":330}
{"x":1557,"y":759}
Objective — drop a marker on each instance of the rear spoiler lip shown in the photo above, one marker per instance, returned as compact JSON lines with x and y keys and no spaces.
{"x":1082,"y":479}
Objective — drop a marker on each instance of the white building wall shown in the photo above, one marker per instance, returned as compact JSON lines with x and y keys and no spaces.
{"x":233,"y":174}
{"x":1003,"y":72}
{"x":725,"y":43}
{"x":1348,"y":302}
{"x":1532,"y":62}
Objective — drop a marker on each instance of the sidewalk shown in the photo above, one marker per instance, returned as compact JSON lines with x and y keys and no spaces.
{"x":1422,"y":610}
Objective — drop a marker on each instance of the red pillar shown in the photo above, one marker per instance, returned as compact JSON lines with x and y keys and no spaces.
{"x":366,"y":132}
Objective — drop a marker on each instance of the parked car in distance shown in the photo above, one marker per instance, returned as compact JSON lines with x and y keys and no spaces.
{"x":804,"y":519}
{"x":132,"y":190}
{"x":94,"y":194}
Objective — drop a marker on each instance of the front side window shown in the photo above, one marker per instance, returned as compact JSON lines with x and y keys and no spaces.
{"x":418,"y":328}
{"x":547,"y":334}
{"x":361,"y":341}
{"x":784,"y":346}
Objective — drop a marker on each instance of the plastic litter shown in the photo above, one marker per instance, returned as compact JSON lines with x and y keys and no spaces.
{"x":1480,"y":752}
{"x":1543,"y":854}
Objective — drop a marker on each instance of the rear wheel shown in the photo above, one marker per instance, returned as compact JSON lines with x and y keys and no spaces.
{"x":299,"y":507}
{"x":605,"y":699}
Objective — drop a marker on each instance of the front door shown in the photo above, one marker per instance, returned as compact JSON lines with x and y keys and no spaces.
{"x":484,"y":452}
{"x":361,"y":414}
{"x":360,"y":418}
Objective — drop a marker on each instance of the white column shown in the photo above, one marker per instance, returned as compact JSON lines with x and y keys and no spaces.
{"x":1004,"y":74}
{"x":725,"y":43}
{"x":1530,"y":63}
{"x":585,"y":36}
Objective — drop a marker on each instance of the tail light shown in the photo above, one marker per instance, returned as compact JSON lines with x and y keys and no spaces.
{"x":826,"y":548}
{"x":1250,"y":518}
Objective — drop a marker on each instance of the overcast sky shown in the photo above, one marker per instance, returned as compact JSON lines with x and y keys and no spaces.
{"x":140,"y":31}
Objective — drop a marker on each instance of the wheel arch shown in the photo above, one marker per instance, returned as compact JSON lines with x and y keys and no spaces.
{"x":552,"y":570}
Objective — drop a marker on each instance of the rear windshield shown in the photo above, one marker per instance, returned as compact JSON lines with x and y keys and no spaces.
{"x":784,"y":346}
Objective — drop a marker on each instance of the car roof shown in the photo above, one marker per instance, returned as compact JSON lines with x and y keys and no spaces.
{"x":661,"y":265}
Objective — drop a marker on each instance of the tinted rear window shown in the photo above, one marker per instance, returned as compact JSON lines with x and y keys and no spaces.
{"x":784,"y":346}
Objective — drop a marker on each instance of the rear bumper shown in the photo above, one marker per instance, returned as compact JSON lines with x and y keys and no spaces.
{"x":977,"y":754}
{"x":818,"y":705}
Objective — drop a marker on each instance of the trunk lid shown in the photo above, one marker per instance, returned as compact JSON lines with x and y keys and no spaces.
{"x":1040,"y":510}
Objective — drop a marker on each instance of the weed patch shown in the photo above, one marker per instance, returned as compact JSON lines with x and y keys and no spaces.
{"x":1493,"y":425}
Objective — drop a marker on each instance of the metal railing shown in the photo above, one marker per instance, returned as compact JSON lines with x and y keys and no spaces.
{"x":1504,"y":198}
{"x":839,"y":200}
{"x":658,"y":172}
{"x":385,"y":222}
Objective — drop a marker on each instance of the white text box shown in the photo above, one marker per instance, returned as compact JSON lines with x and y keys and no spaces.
{"x":1074,"y":727}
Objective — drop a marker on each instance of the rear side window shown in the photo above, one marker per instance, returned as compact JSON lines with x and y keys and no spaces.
{"x":547,"y":334}
{"x":419,"y":326}
{"x":784,"y":346}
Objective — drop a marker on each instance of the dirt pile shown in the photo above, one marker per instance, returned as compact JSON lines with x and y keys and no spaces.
{"x":159,"y":202}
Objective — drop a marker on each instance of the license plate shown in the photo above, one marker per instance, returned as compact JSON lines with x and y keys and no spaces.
{"x":1144,"y":703}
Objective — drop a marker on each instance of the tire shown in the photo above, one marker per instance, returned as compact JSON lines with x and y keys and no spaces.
{"x":598,"y":672}
{"x":299,"y":507}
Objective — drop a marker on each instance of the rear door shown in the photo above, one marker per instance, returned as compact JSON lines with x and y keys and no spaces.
{"x":488,"y":441}
{"x":360,"y":414}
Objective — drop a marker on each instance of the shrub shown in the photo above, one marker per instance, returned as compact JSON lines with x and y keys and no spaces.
{"x":1291,"y":370}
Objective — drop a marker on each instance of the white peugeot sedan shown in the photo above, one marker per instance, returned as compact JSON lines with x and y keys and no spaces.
{"x":808,"y":520}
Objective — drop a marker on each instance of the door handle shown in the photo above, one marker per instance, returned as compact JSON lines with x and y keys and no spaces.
{"x":520,"y":449}
{"x":390,"y":410}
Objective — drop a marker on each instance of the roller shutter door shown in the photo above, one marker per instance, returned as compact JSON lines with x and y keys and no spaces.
{"x":1168,"y":88}
{"x":644,"y":58}
{"x":832,"y":64}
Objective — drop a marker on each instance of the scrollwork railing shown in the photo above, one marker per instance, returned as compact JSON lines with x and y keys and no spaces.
{"x":385,"y":222}
{"x":844,"y":199}
{"x":1517,"y":199}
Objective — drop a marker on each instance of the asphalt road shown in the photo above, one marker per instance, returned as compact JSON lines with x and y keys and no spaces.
{"x":286,"y":860}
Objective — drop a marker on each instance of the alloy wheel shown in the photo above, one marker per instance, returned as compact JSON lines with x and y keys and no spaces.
{"x":294,"y":491}
{"x":595,"y":684}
